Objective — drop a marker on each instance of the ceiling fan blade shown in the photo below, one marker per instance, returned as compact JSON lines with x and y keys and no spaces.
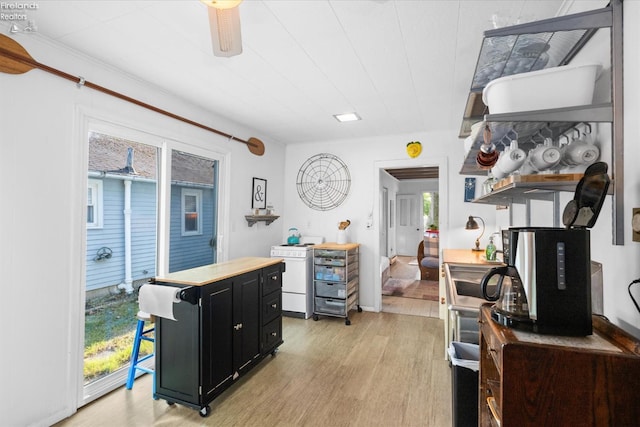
{"x":225,"y":31}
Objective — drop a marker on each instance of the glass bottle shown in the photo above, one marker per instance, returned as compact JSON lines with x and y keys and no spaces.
{"x":490,"y":252}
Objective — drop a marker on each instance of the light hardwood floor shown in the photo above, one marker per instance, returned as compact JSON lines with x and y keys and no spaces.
{"x":384,"y":370}
{"x":411,"y":306}
{"x":402,"y":305}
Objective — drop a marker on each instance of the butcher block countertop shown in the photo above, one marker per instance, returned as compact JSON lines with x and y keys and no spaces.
{"x":467,"y":256}
{"x":337,"y":246}
{"x":206,"y":274}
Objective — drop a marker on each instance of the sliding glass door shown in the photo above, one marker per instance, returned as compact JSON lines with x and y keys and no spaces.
{"x":121,"y":248}
{"x":193,"y":211}
{"x":125,"y":181}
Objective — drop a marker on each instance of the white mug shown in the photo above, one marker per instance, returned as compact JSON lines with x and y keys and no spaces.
{"x":579,"y":153}
{"x":544,"y":157}
{"x":511,"y":159}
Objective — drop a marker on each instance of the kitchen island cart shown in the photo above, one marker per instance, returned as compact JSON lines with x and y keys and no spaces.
{"x":336,"y":281}
{"x":234,"y":321}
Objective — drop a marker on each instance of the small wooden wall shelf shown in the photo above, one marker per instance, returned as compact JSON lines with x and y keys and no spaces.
{"x":268,"y":219}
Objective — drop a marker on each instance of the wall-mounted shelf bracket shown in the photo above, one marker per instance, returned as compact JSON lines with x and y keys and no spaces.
{"x":268,"y":219}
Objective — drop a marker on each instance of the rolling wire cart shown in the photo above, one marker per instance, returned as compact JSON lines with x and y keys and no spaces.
{"x":336,"y":281}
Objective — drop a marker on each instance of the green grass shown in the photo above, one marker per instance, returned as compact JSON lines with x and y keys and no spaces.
{"x":110,"y":324}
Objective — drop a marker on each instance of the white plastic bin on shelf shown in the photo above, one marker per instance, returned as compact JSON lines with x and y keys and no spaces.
{"x":558,"y":87}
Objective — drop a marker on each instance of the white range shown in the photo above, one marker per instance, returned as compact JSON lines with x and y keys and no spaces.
{"x":297,"y":280}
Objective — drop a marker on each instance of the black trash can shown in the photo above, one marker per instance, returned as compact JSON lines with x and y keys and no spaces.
{"x":465,"y":364}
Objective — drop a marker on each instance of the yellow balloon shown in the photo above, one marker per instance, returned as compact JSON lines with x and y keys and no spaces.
{"x":414,"y":148}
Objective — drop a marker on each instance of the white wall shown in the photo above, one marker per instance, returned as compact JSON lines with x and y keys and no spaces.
{"x":364,"y":158}
{"x":43,"y":189}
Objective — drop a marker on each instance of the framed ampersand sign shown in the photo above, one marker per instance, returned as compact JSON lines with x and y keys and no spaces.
{"x":259,"y":194}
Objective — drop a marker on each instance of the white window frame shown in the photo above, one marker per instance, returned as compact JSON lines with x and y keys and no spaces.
{"x":144,"y":130}
{"x":198,"y":195}
{"x":95,"y":185}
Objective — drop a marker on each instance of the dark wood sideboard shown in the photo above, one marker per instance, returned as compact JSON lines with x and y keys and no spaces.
{"x":528,"y":379}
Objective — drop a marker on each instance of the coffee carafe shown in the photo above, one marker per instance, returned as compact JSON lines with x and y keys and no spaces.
{"x":509,"y":295}
{"x":546,"y":285}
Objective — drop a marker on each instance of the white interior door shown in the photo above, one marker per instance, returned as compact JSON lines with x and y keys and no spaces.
{"x":409,"y":219}
{"x":385,"y":225}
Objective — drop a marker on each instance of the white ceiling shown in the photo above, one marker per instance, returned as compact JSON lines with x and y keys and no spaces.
{"x":404,"y":66}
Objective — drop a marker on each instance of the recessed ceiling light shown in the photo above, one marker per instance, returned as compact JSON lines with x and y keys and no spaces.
{"x":347,"y":117}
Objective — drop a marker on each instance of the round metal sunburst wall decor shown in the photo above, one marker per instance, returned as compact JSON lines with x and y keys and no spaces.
{"x":323,"y":182}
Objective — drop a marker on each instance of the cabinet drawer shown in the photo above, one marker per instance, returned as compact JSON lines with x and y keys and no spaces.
{"x":272,"y":279}
{"x":331,"y":306}
{"x":323,"y":272}
{"x":271,"y":306}
{"x":340,"y":262}
{"x":271,"y":335}
{"x":329,"y":253}
{"x":335,"y":290}
{"x":494,"y":347}
{"x":335,"y":274}
{"x":331,"y":290}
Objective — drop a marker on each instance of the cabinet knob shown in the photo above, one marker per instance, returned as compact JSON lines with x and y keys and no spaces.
{"x":238,"y":326}
{"x":273,"y":334}
{"x":274,"y":305}
{"x":274,"y":278}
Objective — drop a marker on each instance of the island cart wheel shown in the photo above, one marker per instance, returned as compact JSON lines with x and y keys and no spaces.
{"x":315,"y":317}
{"x":359,"y":309}
{"x":205,"y":411}
{"x":347,"y":321}
{"x":170,"y":403}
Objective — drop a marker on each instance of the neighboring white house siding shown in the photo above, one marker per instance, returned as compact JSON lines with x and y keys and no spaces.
{"x":191,"y":251}
{"x":110,"y":272}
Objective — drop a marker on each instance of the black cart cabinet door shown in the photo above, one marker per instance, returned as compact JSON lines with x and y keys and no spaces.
{"x":246,"y":320}
{"x":217,"y":338}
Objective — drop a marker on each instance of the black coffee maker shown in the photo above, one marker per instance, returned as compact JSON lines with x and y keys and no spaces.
{"x":546,"y":285}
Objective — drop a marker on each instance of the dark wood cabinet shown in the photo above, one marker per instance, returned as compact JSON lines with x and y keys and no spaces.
{"x":235,"y":322}
{"x":528,"y":379}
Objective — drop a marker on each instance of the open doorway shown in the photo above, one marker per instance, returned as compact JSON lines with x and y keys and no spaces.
{"x":421,"y":211}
